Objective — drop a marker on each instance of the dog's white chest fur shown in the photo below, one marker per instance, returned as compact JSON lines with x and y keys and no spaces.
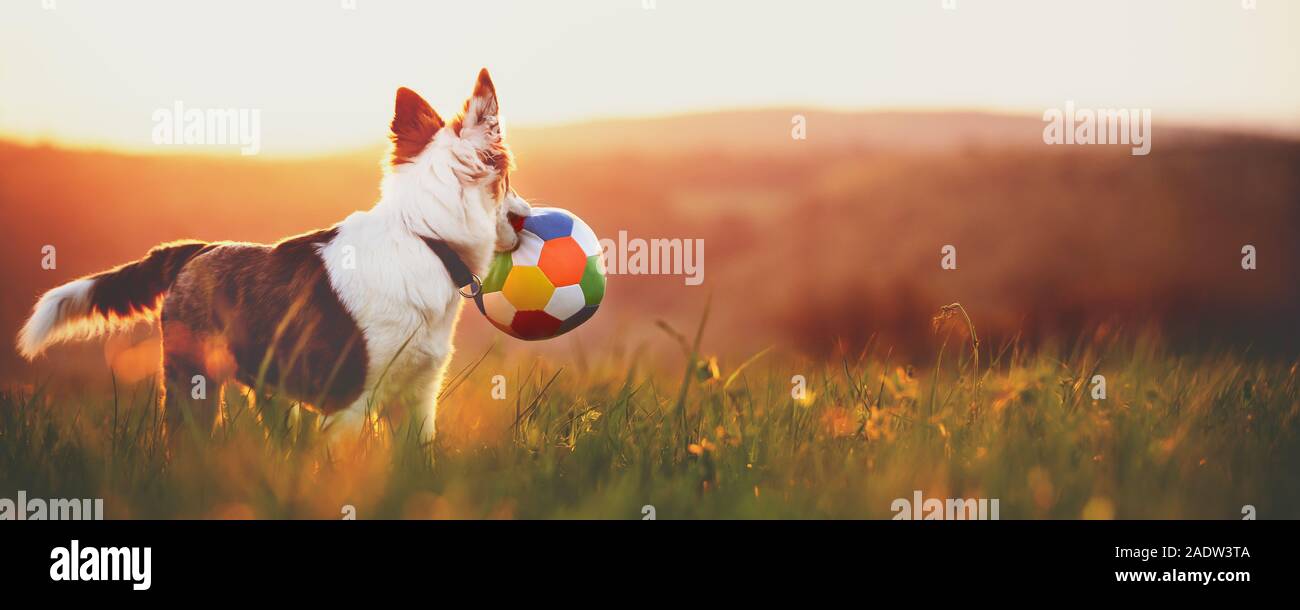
{"x":401,"y":298}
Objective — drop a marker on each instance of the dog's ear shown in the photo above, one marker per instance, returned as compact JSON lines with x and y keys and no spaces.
{"x":414,"y":124}
{"x":483,"y":104}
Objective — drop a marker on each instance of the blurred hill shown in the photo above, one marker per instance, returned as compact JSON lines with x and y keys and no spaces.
{"x":768,"y":131}
{"x":807,"y":243}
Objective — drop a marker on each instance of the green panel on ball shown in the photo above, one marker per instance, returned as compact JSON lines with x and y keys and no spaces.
{"x":496,"y":277}
{"x":593,"y":280}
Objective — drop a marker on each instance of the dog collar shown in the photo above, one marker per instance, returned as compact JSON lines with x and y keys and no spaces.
{"x":456,"y":268}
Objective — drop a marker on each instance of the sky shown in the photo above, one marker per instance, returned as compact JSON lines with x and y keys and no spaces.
{"x":92,"y":73}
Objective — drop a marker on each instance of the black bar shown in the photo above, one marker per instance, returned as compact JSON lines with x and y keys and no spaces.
{"x":233,"y":557}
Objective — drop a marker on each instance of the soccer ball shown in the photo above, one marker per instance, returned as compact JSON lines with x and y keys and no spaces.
{"x":552,"y":282}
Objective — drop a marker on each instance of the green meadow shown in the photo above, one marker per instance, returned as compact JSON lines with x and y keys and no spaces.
{"x":772,"y":436}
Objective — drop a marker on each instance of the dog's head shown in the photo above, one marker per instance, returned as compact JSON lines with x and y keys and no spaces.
{"x":470,"y":151}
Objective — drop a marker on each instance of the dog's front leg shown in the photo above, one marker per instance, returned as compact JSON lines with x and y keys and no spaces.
{"x":514,"y":206}
{"x":347,"y":425}
{"x":426,"y":419}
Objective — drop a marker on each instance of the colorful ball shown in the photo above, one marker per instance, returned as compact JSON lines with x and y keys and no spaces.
{"x":552,"y":282}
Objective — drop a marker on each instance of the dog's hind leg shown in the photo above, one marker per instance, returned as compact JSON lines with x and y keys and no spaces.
{"x":190,"y":392}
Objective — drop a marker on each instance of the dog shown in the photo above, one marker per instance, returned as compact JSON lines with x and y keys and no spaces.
{"x":341,"y":319}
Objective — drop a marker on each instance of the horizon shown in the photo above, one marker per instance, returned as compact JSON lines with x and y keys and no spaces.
{"x":380,"y":141}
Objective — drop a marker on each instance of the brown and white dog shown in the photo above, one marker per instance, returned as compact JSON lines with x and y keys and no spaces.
{"x":344,"y":318}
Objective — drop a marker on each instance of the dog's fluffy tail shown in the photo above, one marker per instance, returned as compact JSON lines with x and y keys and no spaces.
{"x":103,"y":302}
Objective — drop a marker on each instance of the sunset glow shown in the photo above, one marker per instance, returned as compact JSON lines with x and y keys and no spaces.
{"x":323,"y":75}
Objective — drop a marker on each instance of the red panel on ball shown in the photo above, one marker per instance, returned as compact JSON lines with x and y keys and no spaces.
{"x":533,"y":325}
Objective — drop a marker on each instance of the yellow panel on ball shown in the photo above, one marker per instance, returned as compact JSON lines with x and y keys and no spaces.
{"x":528,"y":289}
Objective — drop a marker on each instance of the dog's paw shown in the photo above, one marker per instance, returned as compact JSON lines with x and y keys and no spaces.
{"x":517,"y":207}
{"x":507,"y":238}
{"x":516,"y":210}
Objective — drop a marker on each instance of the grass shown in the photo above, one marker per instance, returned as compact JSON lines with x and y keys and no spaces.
{"x":1178,"y":436}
